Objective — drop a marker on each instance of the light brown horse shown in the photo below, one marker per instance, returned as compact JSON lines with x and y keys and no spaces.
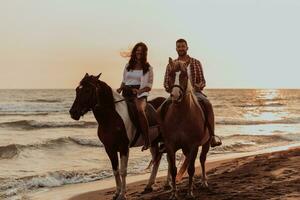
{"x":116,"y":130}
{"x":184,"y":126}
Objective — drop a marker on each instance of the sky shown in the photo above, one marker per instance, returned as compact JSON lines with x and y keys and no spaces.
{"x":241,"y":44}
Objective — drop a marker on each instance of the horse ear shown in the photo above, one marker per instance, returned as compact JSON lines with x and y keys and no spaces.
{"x":170,"y":61}
{"x":86,"y":74}
{"x":98,"y":76}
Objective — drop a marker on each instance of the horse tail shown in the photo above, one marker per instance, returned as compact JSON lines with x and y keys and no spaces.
{"x":182,"y":170}
{"x":157,"y":158}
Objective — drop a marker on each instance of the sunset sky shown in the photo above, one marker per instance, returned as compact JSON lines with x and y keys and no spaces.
{"x":241,"y":44}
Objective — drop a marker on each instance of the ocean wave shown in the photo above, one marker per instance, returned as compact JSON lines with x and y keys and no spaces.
{"x":261,"y":105}
{"x":24,"y":114}
{"x":12,"y":187}
{"x":32,"y":124}
{"x":260,"y":139}
{"x":243,"y":143}
{"x":235,"y":147}
{"x":257,"y":122}
{"x":9,"y":151}
{"x":45,"y":100}
{"x":12,"y":150}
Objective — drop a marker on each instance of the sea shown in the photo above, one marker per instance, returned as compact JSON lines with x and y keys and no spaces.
{"x":41,"y":147}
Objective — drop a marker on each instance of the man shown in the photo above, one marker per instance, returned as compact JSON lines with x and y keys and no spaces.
{"x":196,"y":77}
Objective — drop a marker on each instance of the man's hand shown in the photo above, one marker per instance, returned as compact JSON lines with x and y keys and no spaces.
{"x":200,"y":85}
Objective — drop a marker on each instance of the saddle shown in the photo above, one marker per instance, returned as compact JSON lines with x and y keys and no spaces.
{"x":133,"y":114}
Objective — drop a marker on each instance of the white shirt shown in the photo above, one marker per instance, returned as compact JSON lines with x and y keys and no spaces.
{"x":133,"y":77}
{"x":136,"y":77}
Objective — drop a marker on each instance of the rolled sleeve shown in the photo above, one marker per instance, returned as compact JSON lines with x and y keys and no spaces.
{"x":149,"y":78}
{"x":200,"y":80}
{"x":166,"y":79}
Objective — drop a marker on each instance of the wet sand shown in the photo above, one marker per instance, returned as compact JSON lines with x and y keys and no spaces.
{"x":274,"y":175}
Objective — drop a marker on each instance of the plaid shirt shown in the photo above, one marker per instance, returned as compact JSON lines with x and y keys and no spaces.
{"x":196,"y":76}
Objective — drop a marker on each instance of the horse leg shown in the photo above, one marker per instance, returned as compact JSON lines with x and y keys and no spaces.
{"x":191,"y":171}
{"x":113,"y":156}
{"x":173,"y":171}
{"x":156,"y":156}
{"x":123,"y":173}
{"x":205,"y":149}
{"x":167,"y":185}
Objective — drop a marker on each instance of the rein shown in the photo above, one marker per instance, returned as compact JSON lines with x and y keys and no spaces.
{"x":98,"y":100}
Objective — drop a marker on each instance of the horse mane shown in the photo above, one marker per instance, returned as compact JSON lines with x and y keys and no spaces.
{"x":190,"y":91}
{"x":106,"y":95}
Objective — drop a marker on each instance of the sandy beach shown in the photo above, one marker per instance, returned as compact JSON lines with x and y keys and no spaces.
{"x":267,"y":174}
{"x":273,"y":175}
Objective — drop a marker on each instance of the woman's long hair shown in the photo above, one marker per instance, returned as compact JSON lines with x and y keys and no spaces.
{"x":133,"y":58}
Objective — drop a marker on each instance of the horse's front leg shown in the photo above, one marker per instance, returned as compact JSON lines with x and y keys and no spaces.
{"x":113,"y":156}
{"x":173,"y":172}
{"x":191,"y":171}
{"x":123,"y":172}
{"x":205,"y":149}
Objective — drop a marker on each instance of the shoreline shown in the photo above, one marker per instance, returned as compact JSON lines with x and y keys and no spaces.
{"x":105,"y":188}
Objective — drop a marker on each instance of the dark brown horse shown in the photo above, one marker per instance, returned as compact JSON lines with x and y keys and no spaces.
{"x":116,"y":130}
{"x":184,"y":126}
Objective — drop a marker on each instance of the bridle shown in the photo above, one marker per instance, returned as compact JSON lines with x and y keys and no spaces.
{"x":181,"y":89}
{"x":96,"y":86}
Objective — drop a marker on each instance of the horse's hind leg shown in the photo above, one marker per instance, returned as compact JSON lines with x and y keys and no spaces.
{"x":113,"y":156}
{"x":123,"y":172}
{"x":167,"y":185}
{"x":156,"y":156}
{"x":191,"y":171}
{"x":205,"y":149}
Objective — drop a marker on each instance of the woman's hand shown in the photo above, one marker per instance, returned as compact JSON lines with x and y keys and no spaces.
{"x":119,"y":90}
{"x":135,"y":91}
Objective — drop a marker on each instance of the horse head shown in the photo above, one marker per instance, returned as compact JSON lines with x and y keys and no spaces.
{"x":86,"y":98}
{"x":179,"y":79}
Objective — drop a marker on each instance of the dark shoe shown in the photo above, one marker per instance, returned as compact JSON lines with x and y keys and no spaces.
{"x":214,"y":142}
{"x":97,"y":107}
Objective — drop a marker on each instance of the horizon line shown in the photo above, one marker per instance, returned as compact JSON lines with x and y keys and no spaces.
{"x":212,"y":88}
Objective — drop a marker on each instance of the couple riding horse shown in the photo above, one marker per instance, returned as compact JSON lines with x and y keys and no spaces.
{"x":183,"y":121}
{"x":138,"y":78}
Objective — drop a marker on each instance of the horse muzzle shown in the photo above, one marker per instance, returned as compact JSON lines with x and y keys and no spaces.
{"x":74,"y":115}
{"x":176,"y":94}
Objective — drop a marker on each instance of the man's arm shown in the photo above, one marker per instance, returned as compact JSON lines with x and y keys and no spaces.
{"x":200,"y":80}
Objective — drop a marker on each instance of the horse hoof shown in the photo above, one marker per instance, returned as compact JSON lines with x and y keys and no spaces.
{"x":122,"y":198}
{"x":204,"y":184}
{"x":147,"y":190}
{"x":190,"y":196}
{"x":167,"y":187}
{"x":173,"y":197}
{"x":115,"y":197}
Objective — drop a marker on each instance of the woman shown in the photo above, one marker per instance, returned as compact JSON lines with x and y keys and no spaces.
{"x":136,"y":85}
